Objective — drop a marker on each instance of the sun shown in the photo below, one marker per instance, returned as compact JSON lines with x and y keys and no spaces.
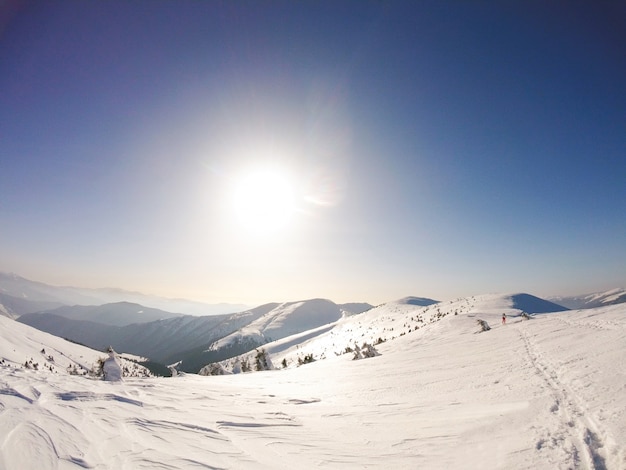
{"x":263,"y":201}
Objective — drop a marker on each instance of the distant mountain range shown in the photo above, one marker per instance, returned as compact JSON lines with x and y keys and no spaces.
{"x":169,"y":338}
{"x":187,"y":338}
{"x":598,"y":299}
{"x":114,"y":314}
{"x":56,"y":296}
{"x":194,"y":342}
{"x":13,"y":307}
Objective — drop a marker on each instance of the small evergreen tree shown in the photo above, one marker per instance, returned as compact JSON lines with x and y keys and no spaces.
{"x":261,"y":360}
{"x":307,"y":359}
{"x":98,"y":368}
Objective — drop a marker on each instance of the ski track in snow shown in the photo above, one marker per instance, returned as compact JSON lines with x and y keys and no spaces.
{"x":575,"y":430}
{"x":570,"y":352}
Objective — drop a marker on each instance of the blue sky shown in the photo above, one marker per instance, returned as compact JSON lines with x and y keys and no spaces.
{"x":434,"y":148}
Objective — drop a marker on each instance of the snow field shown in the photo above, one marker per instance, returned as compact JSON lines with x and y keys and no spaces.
{"x":543,"y":393}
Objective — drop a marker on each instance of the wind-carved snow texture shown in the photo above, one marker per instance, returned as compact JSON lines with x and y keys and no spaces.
{"x":544,"y":394}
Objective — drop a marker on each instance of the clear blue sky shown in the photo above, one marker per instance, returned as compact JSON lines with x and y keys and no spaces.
{"x":434,"y":148}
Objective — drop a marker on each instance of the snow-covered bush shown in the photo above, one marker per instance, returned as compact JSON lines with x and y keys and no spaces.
{"x":367,"y":350}
{"x":307,"y":359}
{"x":73,"y":370}
{"x":484,"y":326}
{"x":214,"y":369}
{"x":112,"y":368}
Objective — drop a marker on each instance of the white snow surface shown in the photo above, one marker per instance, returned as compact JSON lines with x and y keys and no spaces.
{"x":544,"y":393}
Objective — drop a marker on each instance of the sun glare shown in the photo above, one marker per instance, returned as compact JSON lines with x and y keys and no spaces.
{"x":263,"y":201}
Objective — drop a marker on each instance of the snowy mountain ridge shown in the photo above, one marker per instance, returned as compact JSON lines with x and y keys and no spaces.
{"x":187,"y":337}
{"x":380,"y":324}
{"x":527,"y":394}
{"x":596,"y":299}
{"x":286,"y":319}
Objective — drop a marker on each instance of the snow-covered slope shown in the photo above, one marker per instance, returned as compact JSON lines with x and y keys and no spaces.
{"x":541,"y":394}
{"x":163,"y":340}
{"x":597,"y":299}
{"x":286,"y":319}
{"x":23,"y":347}
{"x":187,"y":338}
{"x":385,"y":322}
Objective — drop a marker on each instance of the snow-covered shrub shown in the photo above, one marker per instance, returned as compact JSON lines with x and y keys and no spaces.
{"x":97,"y":368}
{"x":306,"y":360}
{"x":484,"y":326}
{"x":111,"y":368}
{"x":73,"y":370}
{"x":367,"y":350}
{"x":214,"y":369}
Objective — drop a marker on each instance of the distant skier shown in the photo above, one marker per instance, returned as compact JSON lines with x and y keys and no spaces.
{"x":504,"y":318}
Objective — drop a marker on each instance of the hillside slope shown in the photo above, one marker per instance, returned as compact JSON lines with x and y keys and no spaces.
{"x":531,"y":394}
{"x":387,"y":322}
{"x":163,"y":340}
{"x":25,"y":348}
{"x":286,"y":319}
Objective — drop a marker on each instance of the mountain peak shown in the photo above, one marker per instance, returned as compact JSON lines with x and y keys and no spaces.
{"x":514,"y":303}
{"x":418,"y":301}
